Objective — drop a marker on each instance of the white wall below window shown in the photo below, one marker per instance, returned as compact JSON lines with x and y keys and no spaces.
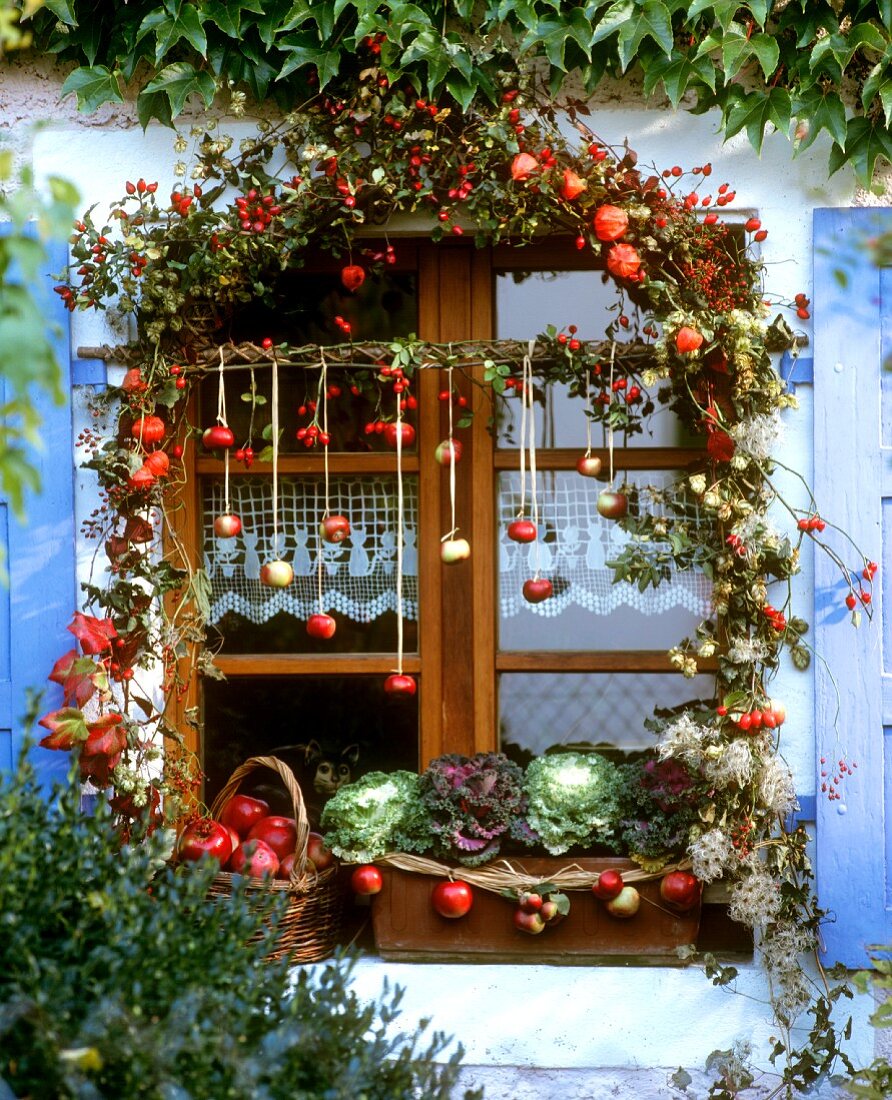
{"x":611,"y":1031}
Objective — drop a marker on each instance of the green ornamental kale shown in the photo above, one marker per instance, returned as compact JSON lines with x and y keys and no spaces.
{"x":573,"y":800}
{"x":378,"y":813}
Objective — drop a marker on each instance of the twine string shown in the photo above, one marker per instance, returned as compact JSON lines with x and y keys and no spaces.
{"x":399,"y":535}
{"x":322,"y":396}
{"x":275,"y":430}
{"x":588,"y":414}
{"x":610,"y":429}
{"x":221,"y":419}
{"x":531,"y":428}
{"x":451,"y":465}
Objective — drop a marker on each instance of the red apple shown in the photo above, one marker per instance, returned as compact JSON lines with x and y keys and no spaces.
{"x":205,"y":837}
{"x":407,"y":432}
{"x":276,"y":574}
{"x":522,"y":530}
{"x":551,"y":913}
{"x":322,"y":856}
{"x":608,"y":886}
{"x":680,"y":890}
{"x":286,"y":866}
{"x":454,"y":550}
{"x":352,"y":276}
{"x":227,"y":526}
{"x":254,"y":858}
{"x":530,"y":902}
{"x":399,"y":684}
{"x":625,"y":904}
{"x":234,"y":837}
{"x":366,"y":879}
{"x":242,"y":813}
{"x":612,"y":505}
{"x":588,"y":465}
{"x":446,"y":450}
{"x":334,"y":528}
{"x":280,"y":833}
{"x":531,"y":923}
{"x":321,"y":626}
{"x":452,"y":898}
{"x":537,"y":589}
{"x":218,"y":437}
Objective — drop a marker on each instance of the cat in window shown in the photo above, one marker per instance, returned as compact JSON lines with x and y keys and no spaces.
{"x":320,"y":773}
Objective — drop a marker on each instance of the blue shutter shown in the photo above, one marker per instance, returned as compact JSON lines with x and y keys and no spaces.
{"x":853,"y":486}
{"x":40,"y":558}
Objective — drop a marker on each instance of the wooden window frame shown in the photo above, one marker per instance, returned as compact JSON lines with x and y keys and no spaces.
{"x":458,"y":660}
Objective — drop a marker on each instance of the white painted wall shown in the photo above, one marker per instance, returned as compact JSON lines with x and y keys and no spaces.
{"x":612,"y":1031}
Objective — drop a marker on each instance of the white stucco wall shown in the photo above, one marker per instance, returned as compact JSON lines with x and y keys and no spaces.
{"x":612,"y":1031}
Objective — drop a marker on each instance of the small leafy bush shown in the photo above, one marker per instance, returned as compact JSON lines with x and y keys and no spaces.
{"x":119,"y":978}
{"x":573,"y":800}
{"x":473,"y":804}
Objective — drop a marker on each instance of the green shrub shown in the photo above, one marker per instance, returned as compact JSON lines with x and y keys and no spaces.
{"x":119,"y":979}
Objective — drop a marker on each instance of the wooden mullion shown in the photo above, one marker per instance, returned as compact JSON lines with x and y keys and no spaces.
{"x":313,"y":664}
{"x":338,"y":463}
{"x":626,"y":458}
{"x":642,"y":660}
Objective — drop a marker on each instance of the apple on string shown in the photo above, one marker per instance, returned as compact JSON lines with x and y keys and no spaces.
{"x":448,"y":449}
{"x":453,"y":551}
{"x":321,"y":626}
{"x":334,"y":528}
{"x":276,"y":574}
{"x":400,"y":685}
{"x":680,"y":890}
{"x":522,"y":530}
{"x":406,"y":431}
{"x":588,"y":465}
{"x":227,"y":526}
{"x":218,"y":438}
{"x":352,"y":276}
{"x":452,"y":898}
{"x":537,"y":589}
{"x":612,"y":504}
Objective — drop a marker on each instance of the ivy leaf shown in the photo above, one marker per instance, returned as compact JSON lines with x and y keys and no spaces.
{"x":95,"y":635}
{"x":301,"y":52}
{"x":63,"y":10}
{"x":759,"y":9}
{"x":651,"y":21}
{"x":227,"y":15}
{"x":463,"y":91}
{"x":67,"y":726}
{"x":151,"y":105}
{"x":722,"y":10}
{"x":181,"y":80}
{"x":824,"y":112}
{"x":93,"y":86}
{"x":172,"y":23}
{"x":865,"y":141}
{"x":106,"y":736}
{"x":79,"y":677}
{"x":551,"y":35}
{"x":754,"y":112}
{"x":616,"y":15}
{"x":677,"y":73}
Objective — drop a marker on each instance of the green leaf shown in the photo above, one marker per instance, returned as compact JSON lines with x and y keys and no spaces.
{"x":151,"y":105}
{"x":174,"y":22}
{"x":825,"y":112}
{"x":226,"y":15}
{"x":723,"y":11}
{"x":677,"y":73}
{"x":463,"y":91}
{"x":755,"y":111}
{"x":63,"y":10}
{"x":865,"y":142}
{"x":652,"y":21}
{"x":759,"y":9}
{"x":611,"y":21}
{"x":181,"y":80}
{"x":93,"y":87}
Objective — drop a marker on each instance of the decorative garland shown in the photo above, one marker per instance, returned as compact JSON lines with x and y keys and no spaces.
{"x":702,"y":350}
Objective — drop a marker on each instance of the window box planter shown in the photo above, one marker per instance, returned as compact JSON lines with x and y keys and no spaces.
{"x":408,"y":929}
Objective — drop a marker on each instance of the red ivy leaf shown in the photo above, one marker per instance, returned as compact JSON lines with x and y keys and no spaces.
{"x":719,"y":446}
{"x":106,"y":737}
{"x":66,"y":727}
{"x":95,"y":635}
{"x":79,"y":677}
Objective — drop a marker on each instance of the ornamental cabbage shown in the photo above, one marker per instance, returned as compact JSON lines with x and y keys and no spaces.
{"x":573,"y":800}
{"x":473,"y":802}
{"x":374,"y":815}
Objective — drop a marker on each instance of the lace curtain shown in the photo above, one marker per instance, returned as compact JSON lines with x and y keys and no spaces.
{"x":359,"y":574}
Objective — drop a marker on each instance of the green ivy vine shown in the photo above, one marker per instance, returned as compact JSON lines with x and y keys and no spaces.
{"x":801,"y":67}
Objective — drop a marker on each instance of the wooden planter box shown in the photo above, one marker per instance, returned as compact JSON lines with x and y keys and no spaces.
{"x":408,"y":929}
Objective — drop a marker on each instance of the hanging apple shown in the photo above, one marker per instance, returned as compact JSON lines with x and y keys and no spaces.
{"x":352,"y":276}
{"x":406,"y":431}
{"x":227,"y":526}
{"x":218,"y":438}
{"x":448,"y":450}
{"x":276,"y":574}
{"x":334,"y":528}
{"x":612,"y":504}
{"x":367,"y":879}
{"x":400,"y":684}
{"x":680,"y":890}
{"x":608,"y":885}
{"x":454,"y":550}
{"x":530,"y":922}
{"x":321,"y":626}
{"x":625,"y":904}
{"x":522,"y":530}
{"x":452,"y":899}
{"x":588,"y":465}
{"x":537,"y":589}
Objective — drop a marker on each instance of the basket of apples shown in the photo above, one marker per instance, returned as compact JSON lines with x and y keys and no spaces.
{"x":281,"y":853}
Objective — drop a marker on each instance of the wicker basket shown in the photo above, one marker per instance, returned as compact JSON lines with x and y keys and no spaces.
{"x":311,"y":924}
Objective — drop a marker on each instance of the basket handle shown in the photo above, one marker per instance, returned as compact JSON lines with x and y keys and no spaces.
{"x":297,"y":801}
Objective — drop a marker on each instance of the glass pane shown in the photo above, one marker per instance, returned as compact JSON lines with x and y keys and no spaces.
{"x":307,"y":302}
{"x":538,"y":711}
{"x":252,"y":716}
{"x":358,"y":575}
{"x":526,"y":303}
{"x":587,"y":610}
{"x":348,"y":413}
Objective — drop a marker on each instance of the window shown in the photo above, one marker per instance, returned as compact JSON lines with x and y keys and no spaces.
{"x":493,"y":671}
